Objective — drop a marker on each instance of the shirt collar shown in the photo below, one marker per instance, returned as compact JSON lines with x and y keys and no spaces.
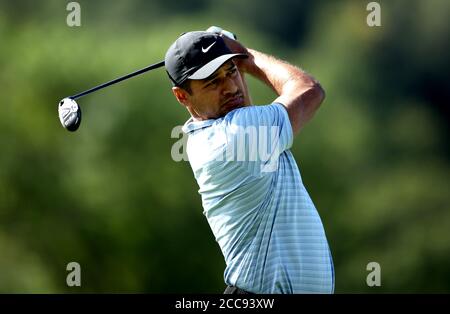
{"x":192,"y":125}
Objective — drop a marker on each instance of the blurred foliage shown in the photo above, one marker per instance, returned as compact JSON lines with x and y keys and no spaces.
{"x":375,"y":158}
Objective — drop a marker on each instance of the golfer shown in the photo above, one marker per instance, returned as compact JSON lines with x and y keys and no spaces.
{"x":253,"y":197}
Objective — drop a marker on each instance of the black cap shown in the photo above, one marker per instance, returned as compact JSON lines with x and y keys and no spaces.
{"x":196,"y":55}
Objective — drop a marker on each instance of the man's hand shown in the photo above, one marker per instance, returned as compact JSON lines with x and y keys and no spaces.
{"x":237,"y":47}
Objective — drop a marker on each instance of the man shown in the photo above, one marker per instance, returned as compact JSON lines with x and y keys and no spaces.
{"x":261,"y":215}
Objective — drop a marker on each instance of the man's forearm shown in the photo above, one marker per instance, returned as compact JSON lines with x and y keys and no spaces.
{"x":277,"y":74}
{"x":299,"y":92}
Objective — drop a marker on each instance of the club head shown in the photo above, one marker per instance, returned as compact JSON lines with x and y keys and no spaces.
{"x":69,"y":114}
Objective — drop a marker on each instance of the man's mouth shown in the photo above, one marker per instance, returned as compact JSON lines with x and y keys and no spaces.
{"x":234,"y":102}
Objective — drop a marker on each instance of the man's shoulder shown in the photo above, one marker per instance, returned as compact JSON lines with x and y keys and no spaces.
{"x":252,"y":109}
{"x":251,"y":115}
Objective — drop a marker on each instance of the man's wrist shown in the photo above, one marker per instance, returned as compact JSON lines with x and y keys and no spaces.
{"x":247,"y":65}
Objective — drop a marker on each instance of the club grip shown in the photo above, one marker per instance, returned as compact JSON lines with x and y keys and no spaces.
{"x":218,"y":30}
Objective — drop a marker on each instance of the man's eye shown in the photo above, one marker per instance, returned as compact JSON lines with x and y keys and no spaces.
{"x":212,"y":83}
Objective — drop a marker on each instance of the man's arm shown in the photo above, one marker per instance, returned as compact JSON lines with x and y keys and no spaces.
{"x":300,"y":93}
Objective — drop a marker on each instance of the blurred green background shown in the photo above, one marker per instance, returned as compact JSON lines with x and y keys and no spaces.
{"x":375,"y":158}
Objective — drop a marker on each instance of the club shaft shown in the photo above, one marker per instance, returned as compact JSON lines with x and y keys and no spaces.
{"x":117,"y":80}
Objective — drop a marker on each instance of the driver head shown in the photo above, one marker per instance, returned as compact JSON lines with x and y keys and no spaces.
{"x":69,"y":114}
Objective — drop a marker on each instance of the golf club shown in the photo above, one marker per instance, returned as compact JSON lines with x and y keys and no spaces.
{"x":70,"y":112}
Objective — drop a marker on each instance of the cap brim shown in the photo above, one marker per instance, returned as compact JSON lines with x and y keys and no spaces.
{"x":212,"y":66}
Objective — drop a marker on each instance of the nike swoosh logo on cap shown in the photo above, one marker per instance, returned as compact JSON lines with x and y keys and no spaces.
{"x":205,"y":50}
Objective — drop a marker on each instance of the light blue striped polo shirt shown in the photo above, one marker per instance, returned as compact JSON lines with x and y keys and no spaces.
{"x":262,"y":217}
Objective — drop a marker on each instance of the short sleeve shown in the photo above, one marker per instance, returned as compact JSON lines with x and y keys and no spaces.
{"x":258,"y":134}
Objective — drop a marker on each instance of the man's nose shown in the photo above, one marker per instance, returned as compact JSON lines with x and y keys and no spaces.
{"x":229,"y":86}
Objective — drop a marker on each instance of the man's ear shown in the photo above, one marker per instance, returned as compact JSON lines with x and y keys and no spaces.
{"x":181,"y":95}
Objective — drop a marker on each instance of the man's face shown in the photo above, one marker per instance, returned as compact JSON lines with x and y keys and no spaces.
{"x":214,"y":96}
